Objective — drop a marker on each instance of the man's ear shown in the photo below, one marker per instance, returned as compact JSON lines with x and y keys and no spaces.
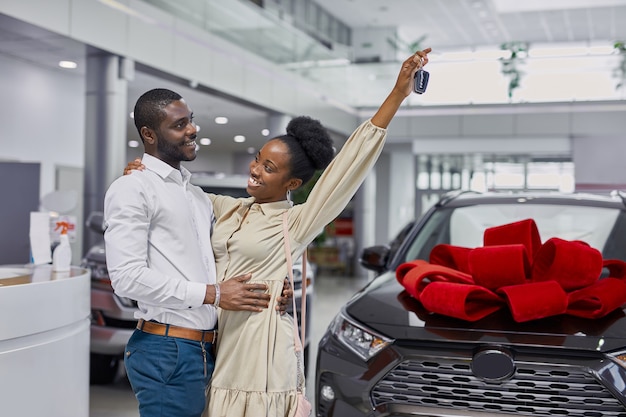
{"x":148,"y":135}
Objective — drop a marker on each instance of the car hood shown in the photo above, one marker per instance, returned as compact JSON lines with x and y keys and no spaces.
{"x":384,"y":306}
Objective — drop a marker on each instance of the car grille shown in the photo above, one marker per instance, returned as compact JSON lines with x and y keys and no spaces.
{"x":534,"y":390}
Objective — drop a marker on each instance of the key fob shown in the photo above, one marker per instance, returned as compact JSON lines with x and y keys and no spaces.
{"x":420,"y":81}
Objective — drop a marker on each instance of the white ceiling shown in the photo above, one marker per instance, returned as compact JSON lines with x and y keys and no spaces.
{"x":453,"y":24}
{"x":460,"y":26}
{"x":444,"y":25}
{"x":26,"y":42}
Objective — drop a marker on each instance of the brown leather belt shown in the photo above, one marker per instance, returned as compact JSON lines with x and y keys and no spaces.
{"x":176,"y":331}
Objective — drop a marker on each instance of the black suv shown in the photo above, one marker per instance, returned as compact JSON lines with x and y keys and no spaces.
{"x":385,"y":354}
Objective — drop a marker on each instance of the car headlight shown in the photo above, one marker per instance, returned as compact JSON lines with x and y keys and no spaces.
{"x":99,"y":272}
{"x":297,"y":279}
{"x":619,"y":357}
{"x":362,"y":341}
{"x":297,"y":274}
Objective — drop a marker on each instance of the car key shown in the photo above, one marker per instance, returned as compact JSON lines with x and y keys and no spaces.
{"x":420,"y":81}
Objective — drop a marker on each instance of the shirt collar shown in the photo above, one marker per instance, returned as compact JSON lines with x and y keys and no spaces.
{"x":163,"y":169}
{"x":269,"y":208}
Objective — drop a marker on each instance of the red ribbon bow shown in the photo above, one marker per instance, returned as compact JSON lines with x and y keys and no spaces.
{"x":513,"y":269}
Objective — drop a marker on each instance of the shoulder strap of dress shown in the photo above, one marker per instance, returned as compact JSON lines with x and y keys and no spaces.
{"x":287,"y":246}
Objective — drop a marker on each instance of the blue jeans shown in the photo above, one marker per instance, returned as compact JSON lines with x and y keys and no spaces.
{"x":168,"y":374}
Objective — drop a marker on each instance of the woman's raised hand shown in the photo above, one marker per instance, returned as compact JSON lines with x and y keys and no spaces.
{"x":419,"y":59}
{"x":402,"y":88}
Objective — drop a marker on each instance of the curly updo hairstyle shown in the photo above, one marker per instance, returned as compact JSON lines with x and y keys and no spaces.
{"x":310,"y":147}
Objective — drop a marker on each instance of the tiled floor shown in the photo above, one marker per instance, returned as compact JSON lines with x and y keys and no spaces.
{"x":331,"y":292}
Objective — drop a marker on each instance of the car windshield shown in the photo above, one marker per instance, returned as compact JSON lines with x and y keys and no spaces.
{"x":602,"y":228}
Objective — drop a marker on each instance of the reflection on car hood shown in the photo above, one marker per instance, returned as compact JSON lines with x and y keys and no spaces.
{"x":388,"y":309}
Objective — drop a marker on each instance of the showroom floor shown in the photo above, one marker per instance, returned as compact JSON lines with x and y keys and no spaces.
{"x":331,"y":292}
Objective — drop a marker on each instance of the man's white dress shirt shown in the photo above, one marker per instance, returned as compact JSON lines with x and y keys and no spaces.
{"x":158,"y":244}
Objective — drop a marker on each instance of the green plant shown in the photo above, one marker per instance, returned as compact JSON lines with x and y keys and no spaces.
{"x":620,"y":71}
{"x":510,"y":65}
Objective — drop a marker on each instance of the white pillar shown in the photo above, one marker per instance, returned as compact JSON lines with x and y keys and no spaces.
{"x":402,"y":184}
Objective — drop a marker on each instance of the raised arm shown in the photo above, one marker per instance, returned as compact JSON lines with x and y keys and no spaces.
{"x":402,"y":89}
{"x":346,"y":172}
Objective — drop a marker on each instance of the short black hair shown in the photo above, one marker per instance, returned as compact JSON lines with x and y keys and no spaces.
{"x":149,"y":109}
{"x":310,"y":147}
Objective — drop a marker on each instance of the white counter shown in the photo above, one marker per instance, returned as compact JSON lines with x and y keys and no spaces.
{"x":44,"y":342}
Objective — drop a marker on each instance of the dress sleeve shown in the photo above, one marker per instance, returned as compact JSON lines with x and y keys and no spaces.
{"x":338,"y":184}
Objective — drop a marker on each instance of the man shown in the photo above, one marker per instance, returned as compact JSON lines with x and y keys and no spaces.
{"x":159,"y":253}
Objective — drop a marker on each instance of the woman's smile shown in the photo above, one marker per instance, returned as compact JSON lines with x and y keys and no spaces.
{"x":252,"y":182}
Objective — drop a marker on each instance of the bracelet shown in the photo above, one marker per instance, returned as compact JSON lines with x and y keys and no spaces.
{"x":216,"y":303}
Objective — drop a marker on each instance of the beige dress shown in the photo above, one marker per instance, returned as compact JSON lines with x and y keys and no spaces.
{"x":255,"y":370}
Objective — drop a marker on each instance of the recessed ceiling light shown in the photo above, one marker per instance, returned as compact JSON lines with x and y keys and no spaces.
{"x":132,"y":114}
{"x":251,"y":150}
{"x":133,"y":143}
{"x":239,"y":138}
{"x":68,"y":64}
{"x":205,"y":141}
{"x":265,"y":132}
{"x":221,"y":120}
{"x":197,"y":128}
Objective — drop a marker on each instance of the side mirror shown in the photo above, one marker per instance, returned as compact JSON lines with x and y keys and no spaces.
{"x":375,"y":258}
{"x":95,"y":222}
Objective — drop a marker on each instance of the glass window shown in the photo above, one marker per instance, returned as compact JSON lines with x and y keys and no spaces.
{"x":589,"y":224}
{"x":601,"y":228}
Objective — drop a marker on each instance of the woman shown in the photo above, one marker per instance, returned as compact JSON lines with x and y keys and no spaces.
{"x":256,"y":370}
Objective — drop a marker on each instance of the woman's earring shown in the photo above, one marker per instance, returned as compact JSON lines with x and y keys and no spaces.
{"x":289,"y":198}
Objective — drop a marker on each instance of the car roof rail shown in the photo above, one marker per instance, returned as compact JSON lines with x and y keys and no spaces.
{"x":451,"y":195}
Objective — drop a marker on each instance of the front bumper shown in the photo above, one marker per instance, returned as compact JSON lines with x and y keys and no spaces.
{"x":112,"y":323}
{"x":108,"y":340}
{"x":421,"y":379}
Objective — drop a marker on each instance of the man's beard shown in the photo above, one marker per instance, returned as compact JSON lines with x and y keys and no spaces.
{"x":172,"y":152}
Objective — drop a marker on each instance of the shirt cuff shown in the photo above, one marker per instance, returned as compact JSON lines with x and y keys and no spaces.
{"x":196,"y":291}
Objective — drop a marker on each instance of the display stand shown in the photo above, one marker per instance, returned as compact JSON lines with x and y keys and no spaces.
{"x":44,"y":341}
